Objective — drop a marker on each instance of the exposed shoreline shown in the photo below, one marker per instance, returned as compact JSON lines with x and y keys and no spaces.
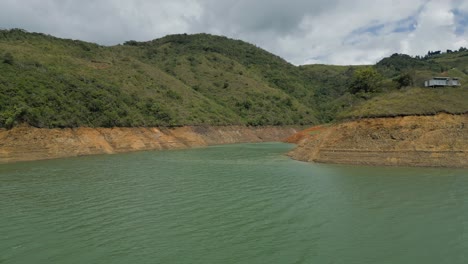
{"x":426,"y":141}
{"x":29,"y":143}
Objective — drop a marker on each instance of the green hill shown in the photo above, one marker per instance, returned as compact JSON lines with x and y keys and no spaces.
{"x":176,"y":80}
{"x":412,"y":99}
{"x":206,"y":80}
{"x":331,"y":91}
{"x":399,"y":87}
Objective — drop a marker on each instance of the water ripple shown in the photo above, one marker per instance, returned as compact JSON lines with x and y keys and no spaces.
{"x":243,"y":203}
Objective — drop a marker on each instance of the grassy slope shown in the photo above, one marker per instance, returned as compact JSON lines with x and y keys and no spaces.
{"x":413,"y":100}
{"x":242,"y":77}
{"x":177,"y":80}
{"x":331,"y":92}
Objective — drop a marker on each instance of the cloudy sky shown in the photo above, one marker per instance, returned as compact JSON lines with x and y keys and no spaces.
{"x":300,"y":31}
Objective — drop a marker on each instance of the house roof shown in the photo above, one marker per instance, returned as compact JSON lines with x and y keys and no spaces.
{"x":445,"y":78}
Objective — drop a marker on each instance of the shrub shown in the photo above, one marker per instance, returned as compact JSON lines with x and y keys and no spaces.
{"x":365,"y":80}
{"x":404,"y":80}
{"x":8,"y":58}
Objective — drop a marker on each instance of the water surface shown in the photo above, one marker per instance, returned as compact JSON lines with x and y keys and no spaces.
{"x":245,"y":203}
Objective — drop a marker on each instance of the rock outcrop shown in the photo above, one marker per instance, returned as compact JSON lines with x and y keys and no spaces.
{"x":433,"y":141}
{"x":28,"y":143}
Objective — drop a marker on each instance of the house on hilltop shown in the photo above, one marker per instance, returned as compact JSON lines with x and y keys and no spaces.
{"x":442,"y":81}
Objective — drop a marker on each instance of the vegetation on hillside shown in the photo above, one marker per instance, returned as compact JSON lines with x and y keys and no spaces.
{"x":407,"y":97}
{"x":207,"y":80}
{"x":177,"y":80}
{"x":331,"y":92}
{"x":411,"y":101}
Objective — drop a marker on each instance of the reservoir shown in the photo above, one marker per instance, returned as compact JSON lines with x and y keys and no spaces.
{"x":243,"y":203}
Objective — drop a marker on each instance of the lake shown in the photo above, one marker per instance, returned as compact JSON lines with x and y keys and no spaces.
{"x":243,"y":203}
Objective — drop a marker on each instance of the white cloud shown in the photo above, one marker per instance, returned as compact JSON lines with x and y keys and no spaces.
{"x":105,"y":21}
{"x":435,"y":30}
{"x":301,"y":31}
{"x":332,"y":35}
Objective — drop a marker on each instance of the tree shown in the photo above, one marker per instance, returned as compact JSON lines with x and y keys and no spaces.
{"x":131,"y":43}
{"x":404,"y":80}
{"x":365,"y":80}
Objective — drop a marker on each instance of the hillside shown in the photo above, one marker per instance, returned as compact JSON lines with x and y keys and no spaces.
{"x":398,"y":91}
{"x":388,"y":118}
{"x":331,"y":84}
{"x":177,"y":80}
{"x":411,"y":101}
{"x":201,"y":79}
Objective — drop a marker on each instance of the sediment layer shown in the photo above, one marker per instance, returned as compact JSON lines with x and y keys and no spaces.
{"x":28,"y":143}
{"x":431,"y":141}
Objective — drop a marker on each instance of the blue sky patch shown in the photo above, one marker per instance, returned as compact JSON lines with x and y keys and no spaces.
{"x":406,"y":25}
{"x":461,"y":21}
{"x":355,"y":37}
{"x":373,"y":29}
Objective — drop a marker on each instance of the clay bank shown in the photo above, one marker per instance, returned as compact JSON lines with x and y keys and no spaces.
{"x":29,"y":143}
{"x":432,"y":141}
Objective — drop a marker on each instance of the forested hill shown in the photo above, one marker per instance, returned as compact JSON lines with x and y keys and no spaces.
{"x":201,"y":80}
{"x":177,"y":80}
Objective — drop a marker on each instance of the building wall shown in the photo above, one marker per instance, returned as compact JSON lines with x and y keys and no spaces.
{"x":438,"y":82}
{"x":441,"y":82}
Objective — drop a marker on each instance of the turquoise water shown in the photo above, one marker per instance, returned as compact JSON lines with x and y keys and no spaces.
{"x":245,"y":203}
